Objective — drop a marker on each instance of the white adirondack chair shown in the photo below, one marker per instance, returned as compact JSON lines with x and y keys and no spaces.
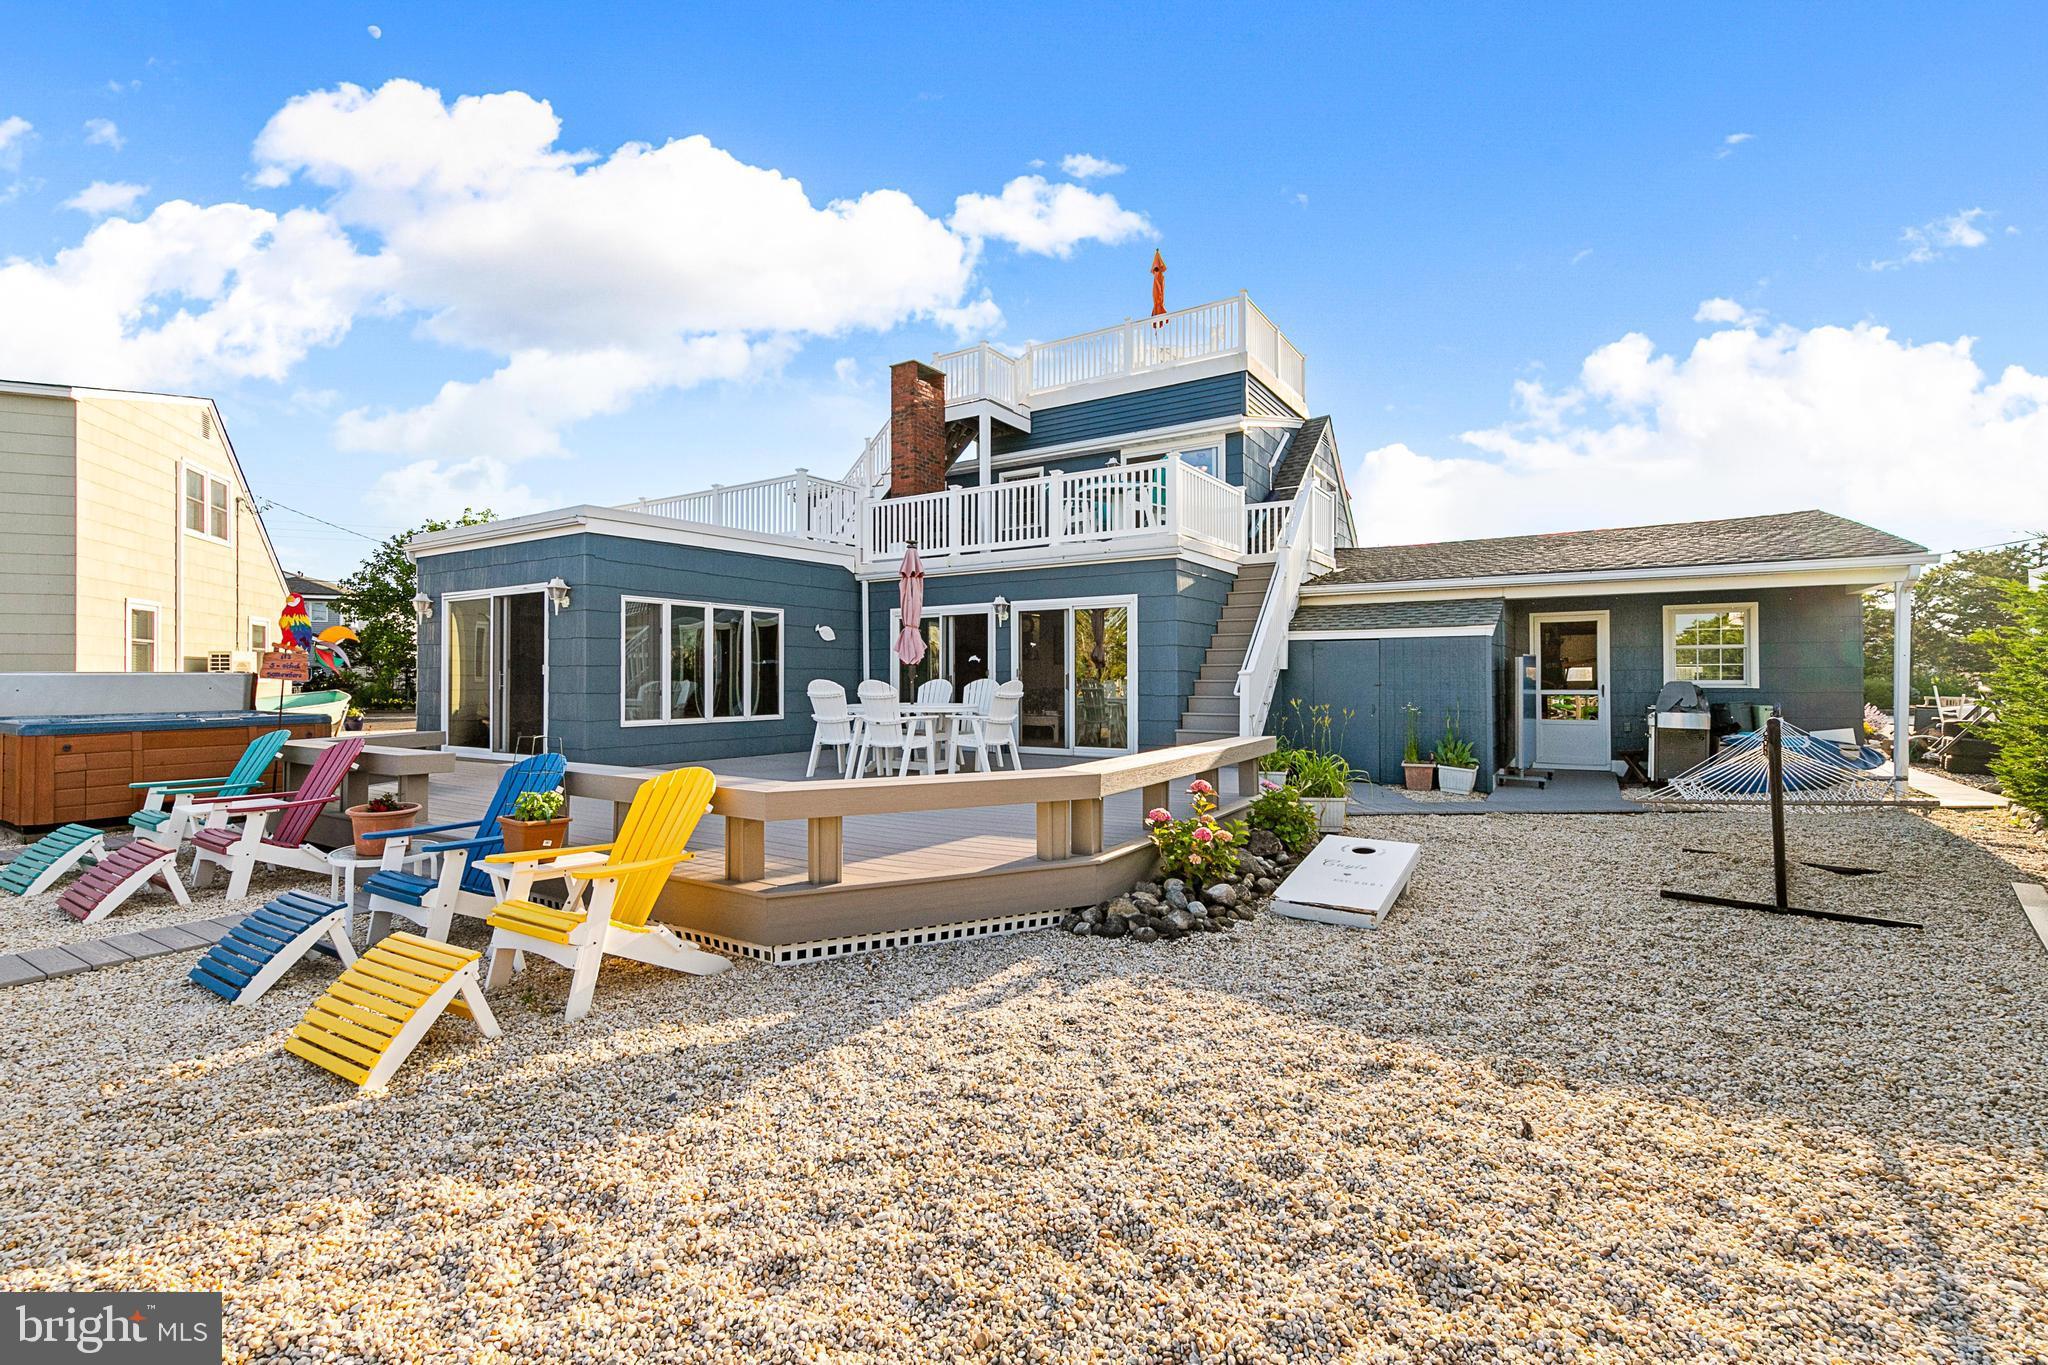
{"x":999,"y":730}
{"x":832,"y":720}
{"x":889,"y":732}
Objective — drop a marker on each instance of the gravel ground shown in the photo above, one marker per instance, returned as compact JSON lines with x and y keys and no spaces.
{"x":1540,"y":1114}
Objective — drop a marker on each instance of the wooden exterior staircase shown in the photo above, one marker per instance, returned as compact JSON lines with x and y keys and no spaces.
{"x":1212,"y":711}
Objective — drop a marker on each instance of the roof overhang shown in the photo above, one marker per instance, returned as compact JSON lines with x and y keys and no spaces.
{"x":615,"y":521}
{"x":1861,"y":573}
{"x":1398,"y":633}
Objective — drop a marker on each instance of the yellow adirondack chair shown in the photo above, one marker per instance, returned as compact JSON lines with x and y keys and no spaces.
{"x":609,"y":902}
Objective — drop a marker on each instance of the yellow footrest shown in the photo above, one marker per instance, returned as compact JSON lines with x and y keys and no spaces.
{"x":377,"y":1011}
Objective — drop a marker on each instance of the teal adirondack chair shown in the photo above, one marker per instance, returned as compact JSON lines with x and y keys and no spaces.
{"x":171,"y":824}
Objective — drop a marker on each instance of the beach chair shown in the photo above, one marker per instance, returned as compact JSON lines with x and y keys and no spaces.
{"x":609,"y":902}
{"x":43,"y":863}
{"x":461,"y":886}
{"x":376,"y":1013}
{"x":269,"y":942}
{"x":119,"y":875}
{"x":187,"y":800}
{"x":220,"y":844}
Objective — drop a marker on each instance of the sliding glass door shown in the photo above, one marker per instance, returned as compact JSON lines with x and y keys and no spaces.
{"x":1076,"y":666}
{"x":494,"y":670}
{"x":956,"y":648}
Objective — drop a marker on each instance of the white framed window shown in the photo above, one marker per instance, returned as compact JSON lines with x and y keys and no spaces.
{"x":207,"y":500}
{"x":142,"y":634}
{"x":1206,"y":456}
{"x":1713,"y":644}
{"x":1036,"y":471}
{"x":259,"y":635}
{"x":317,"y":613}
{"x":684,"y":663}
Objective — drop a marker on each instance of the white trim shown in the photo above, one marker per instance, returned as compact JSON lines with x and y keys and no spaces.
{"x":1123,"y":549}
{"x":1069,"y":605}
{"x":984,"y":609}
{"x":1752,"y":647}
{"x":1700,"y":577}
{"x":1603,"y":671}
{"x":445,"y":619}
{"x":129,"y":606}
{"x":1113,"y":442}
{"x":1185,"y":372}
{"x":748,"y":613}
{"x":258,"y":623}
{"x":208,"y":481}
{"x":617,"y":521}
{"x":1394,"y":633}
{"x":1020,"y":474}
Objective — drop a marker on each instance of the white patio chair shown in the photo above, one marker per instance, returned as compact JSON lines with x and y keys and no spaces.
{"x":999,"y":727}
{"x":833,"y":722}
{"x":978,"y":694}
{"x":967,"y":734}
{"x":886,"y":731}
{"x":937,"y":692}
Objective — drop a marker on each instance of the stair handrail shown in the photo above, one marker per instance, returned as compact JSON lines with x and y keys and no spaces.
{"x":1266,"y":656}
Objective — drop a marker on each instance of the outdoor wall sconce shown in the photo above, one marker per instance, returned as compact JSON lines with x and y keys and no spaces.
{"x":558,"y":594}
{"x":1002,"y":611}
{"x":826,"y":633}
{"x":422,"y":605}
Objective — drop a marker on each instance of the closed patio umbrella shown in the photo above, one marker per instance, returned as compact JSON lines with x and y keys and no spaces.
{"x":910,"y":594}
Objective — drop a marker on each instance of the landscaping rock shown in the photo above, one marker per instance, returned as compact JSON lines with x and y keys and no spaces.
{"x":1145,"y":934}
{"x":1225,"y":894}
{"x":1176,"y":896}
{"x":1264,"y":843}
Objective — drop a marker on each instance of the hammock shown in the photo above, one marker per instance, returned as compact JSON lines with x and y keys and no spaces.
{"x":1817,"y":773}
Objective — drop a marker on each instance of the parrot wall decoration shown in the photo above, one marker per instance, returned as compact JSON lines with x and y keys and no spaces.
{"x":296,"y":628}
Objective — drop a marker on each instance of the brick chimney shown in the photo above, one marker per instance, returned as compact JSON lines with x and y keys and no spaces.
{"x":917,"y":429}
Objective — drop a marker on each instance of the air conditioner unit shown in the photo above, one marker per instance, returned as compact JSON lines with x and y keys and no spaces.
{"x":231,"y":661}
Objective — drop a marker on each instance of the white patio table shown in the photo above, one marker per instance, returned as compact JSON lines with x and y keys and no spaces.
{"x":932,"y":714}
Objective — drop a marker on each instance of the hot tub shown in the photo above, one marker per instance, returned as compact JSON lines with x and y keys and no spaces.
{"x":57,"y":769}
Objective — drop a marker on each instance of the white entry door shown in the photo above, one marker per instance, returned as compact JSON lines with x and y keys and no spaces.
{"x":1573,"y":727}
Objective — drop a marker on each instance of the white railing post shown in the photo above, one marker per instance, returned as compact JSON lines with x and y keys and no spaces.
{"x":803,"y":501}
{"x":1055,"y":507}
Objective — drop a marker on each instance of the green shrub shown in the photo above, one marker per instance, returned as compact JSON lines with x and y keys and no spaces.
{"x":1282,"y":813}
{"x":1411,"y":748}
{"x":2017,"y":688}
{"x":1320,"y":774}
{"x":538,"y":805}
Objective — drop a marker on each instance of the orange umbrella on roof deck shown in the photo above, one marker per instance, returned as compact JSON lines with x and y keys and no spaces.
{"x":1158,"y":285}
{"x":910,"y":597}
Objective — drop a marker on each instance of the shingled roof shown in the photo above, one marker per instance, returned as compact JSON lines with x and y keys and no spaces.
{"x":1673,"y":545}
{"x":1301,"y":448}
{"x":1432,"y":613}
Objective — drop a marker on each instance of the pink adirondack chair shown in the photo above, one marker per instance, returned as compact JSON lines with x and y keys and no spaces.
{"x":239,"y":850}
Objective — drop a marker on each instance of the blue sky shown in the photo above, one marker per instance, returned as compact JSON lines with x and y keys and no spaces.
{"x":1494,"y":238}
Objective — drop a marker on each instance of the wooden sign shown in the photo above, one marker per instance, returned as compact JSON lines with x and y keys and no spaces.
{"x":1348,"y":880}
{"x":285,"y":665}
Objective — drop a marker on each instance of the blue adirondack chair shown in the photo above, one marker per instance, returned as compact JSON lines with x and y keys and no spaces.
{"x":170,"y":825}
{"x":461,"y":887}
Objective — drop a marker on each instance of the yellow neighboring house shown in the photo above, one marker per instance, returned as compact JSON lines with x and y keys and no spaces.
{"x":128,"y":538}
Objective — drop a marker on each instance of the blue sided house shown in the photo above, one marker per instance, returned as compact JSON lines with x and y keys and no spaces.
{"x":1148,"y":526}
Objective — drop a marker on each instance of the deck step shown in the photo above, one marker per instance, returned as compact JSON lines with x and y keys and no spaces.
{"x":1225,"y":705}
{"x":1216,"y":687}
{"x":1203,"y":736}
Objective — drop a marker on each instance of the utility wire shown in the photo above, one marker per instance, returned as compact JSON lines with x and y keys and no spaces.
{"x":265,"y":504}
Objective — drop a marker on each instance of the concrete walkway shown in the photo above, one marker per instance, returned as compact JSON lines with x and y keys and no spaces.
{"x":1952,"y":794}
{"x":1568,"y":793}
{"x":39,"y":964}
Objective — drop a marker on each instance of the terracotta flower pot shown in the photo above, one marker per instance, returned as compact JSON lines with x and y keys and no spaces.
{"x":1418,"y":777}
{"x":525,"y":836}
{"x":363,"y":821}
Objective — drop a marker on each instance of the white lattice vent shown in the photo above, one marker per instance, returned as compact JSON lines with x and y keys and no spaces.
{"x":826,"y":949}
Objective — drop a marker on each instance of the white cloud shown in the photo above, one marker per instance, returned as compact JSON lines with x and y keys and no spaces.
{"x":14,"y":137}
{"x":184,"y":295}
{"x":1730,"y":143}
{"x":103,"y":132}
{"x":1082,"y":166}
{"x":1045,"y":219}
{"x":1931,"y":241}
{"x":1905,"y":436}
{"x":1725,"y":311}
{"x":103,"y":197}
{"x":433,"y":488}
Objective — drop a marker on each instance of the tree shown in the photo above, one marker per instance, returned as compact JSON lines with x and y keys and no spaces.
{"x":377,"y":600}
{"x":2017,"y":687}
{"x":1955,"y":606}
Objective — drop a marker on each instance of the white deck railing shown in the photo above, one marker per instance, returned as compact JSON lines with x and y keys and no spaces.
{"x":1232,"y":326}
{"x":1266,"y":656}
{"x":798,"y":505}
{"x":1264,"y":522}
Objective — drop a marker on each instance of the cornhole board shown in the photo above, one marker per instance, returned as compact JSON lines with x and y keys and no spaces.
{"x":1347,"y":880}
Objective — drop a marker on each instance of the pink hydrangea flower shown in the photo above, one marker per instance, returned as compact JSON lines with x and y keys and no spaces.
{"x":1201,"y":788}
{"x":1223,"y":836}
{"x":1202,"y":835}
{"x":1268,"y":784}
{"x":1158,"y":814}
{"x":1195,"y":859}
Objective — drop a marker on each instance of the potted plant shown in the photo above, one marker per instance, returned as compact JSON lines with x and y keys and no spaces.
{"x":376,"y":815}
{"x":1324,"y":781}
{"x":1278,"y":763}
{"x":352,"y":719}
{"x":1457,"y":765}
{"x":1416,"y":774}
{"x":538,"y":820}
